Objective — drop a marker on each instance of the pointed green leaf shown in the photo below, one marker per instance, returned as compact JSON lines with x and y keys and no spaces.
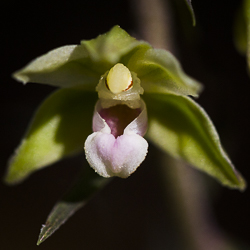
{"x":59,"y":128}
{"x":87,"y":185}
{"x":66,"y":66}
{"x":191,"y":10}
{"x":181,"y":127}
{"x":160,"y":72}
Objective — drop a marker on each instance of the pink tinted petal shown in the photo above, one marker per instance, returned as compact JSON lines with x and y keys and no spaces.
{"x":137,"y":126}
{"x":119,"y":117}
{"x":115,"y":157}
{"x":140,"y":124}
{"x":112,"y":155}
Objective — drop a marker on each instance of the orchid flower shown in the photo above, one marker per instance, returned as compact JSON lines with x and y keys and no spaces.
{"x":117,"y":147}
{"x":130,"y":94}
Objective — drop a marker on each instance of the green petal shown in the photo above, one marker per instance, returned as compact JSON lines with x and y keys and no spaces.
{"x":59,"y":128}
{"x":66,"y":66}
{"x":160,"y":72}
{"x":181,"y":127}
{"x":77,"y":197}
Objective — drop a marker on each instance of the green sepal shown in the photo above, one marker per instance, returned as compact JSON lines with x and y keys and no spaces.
{"x":78,"y":196}
{"x":160,"y":72}
{"x":58,"y":129}
{"x":180,"y":127}
{"x":81,"y":66}
{"x":109,"y":48}
{"x":67,"y":66}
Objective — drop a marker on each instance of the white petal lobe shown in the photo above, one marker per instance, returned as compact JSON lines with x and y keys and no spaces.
{"x":115,"y":157}
{"x":121,"y":156}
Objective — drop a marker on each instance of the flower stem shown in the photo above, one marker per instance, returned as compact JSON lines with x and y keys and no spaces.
{"x":154,"y":22}
{"x":189,"y":196}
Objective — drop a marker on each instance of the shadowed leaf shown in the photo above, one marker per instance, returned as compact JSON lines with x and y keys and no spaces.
{"x":190,"y":7}
{"x":84,"y":189}
{"x":58,"y":129}
{"x":242,"y":30}
{"x":181,"y":127}
{"x":247,"y":15}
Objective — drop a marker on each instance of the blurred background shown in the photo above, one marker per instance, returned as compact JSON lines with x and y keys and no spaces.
{"x":132,"y":213}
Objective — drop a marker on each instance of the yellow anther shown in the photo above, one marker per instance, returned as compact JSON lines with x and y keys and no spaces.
{"x":119,"y":79}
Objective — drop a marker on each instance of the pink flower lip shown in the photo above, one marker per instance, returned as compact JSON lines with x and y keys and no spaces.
{"x":117,"y":148}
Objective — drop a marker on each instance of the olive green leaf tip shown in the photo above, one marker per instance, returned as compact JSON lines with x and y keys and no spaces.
{"x":10,"y":179}
{"x":240,"y":30}
{"x":78,"y":195}
{"x":13,"y":175}
{"x":42,"y":237}
{"x":238,"y":182}
{"x":61,"y":212}
{"x":20,"y":77}
{"x":117,"y":28}
{"x":16,"y":174}
{"x":191,"y":10}
{"x":45,"y":233}
{"x":242,"y":183}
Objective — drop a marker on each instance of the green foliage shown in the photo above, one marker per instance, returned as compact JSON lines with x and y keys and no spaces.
{"x":177,"y":125}
{"x":59,"y":128}
{"x":87,"y":185}
{"x":191,"y":10}
{"x":242,"y":30}
{"x":181,"y":127}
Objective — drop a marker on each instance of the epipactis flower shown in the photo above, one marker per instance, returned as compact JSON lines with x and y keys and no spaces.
{"x":122,"y":70}
{"x":117,"y":148}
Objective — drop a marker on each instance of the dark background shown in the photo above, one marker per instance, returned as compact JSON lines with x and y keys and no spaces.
{"x":127,"y":214}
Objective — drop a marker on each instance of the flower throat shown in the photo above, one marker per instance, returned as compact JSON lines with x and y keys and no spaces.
{"x":118,"y":117}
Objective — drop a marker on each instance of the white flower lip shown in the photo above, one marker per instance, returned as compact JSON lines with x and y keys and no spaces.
{"x":121,"y":156}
